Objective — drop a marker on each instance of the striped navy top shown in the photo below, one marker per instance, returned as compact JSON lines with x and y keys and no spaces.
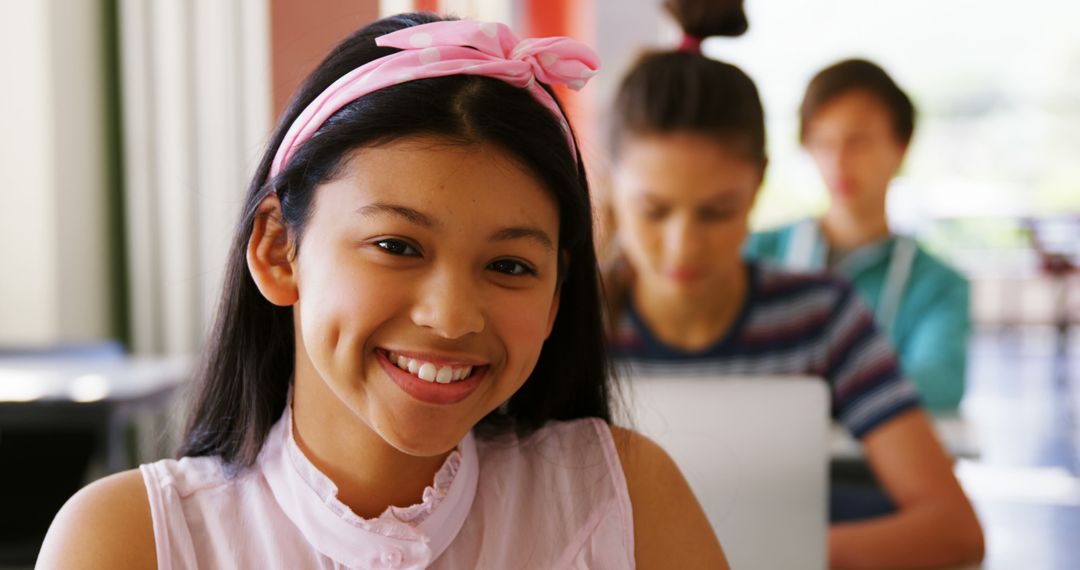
{"x":791,"y":324}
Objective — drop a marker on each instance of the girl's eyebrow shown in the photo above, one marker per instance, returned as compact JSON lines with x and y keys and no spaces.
{"x":534,"y":234}
{"x":421,"y":219}
{"x":414,"y":216}
{"x":722,"y":199}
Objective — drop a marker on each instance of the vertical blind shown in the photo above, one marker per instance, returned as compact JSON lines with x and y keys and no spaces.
{"x":196,"y":113}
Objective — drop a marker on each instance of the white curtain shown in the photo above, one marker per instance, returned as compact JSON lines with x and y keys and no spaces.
{"x":505,"y":11}
{"x":197,"y":111}
{"x":54,"y":282}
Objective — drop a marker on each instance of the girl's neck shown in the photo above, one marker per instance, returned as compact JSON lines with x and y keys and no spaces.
{"x":369,"y":473}
{"x":692,"y":322}
{"x":846,"y":230}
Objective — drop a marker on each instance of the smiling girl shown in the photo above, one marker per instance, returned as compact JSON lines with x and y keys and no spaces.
{"x":408,"y":367}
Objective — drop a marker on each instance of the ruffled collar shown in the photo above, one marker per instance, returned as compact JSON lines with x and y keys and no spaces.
{"x":401,"y":537}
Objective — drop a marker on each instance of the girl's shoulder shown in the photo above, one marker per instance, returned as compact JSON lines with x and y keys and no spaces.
{"x":189,"y":475}
{"x":585,"y":481}
{"x":671,"y":529}
{"x":579,"y":458}
{"x":569,"y":498}
{"x":111,"y":522}
{"x":557,"y":445}
{"x":105,"y":525}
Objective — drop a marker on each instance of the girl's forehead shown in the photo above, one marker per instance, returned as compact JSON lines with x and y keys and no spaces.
{"x":663,"y":165}
{"x":429,"y":162}
{"x":682,"y":152}
{"x":441,"y":179}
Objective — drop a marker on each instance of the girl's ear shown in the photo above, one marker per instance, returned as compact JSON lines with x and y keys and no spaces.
{"x":270,"y":255}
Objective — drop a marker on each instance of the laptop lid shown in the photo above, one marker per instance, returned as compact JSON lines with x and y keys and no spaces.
{"x":755,"y":452}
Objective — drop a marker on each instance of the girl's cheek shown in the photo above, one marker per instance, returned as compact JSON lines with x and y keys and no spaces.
{"x":523,"y":325}
{"x":345,"y":302}
{"x":635,"y":240}
{"x":728,"y":237}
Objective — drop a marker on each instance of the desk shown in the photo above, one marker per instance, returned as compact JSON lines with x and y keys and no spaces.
{"x":101,"y":394}
{"x":954,"y":431}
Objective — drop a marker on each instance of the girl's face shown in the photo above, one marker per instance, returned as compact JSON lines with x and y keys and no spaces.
{"x":427,"y":283}
{"x":853,"y":142}
{"x":681,"y":203}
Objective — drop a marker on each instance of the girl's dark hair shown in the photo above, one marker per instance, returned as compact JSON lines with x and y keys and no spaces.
{"x":684,"y":91}
{"x":707,"y":18}
{"x":858,"y":75}
{"x":241,"y":387}
{"x":667,"y":92}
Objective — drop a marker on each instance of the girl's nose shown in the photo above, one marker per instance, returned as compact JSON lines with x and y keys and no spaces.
{"x":449,"y":305}
{"x":681,"y":240}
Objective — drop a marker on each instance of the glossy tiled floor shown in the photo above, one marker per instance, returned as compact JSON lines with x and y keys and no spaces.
{"x":1023,"y":403}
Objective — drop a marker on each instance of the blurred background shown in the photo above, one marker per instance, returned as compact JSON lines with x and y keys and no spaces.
{"x":131,"y":127}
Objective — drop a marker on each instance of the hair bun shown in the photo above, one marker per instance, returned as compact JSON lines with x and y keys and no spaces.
{"x":707,"y":18}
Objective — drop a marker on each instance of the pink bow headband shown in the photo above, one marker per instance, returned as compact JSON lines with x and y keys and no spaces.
{"x":457,"y":47}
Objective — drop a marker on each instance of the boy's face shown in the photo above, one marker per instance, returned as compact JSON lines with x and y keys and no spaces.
{"x":853,"y":141}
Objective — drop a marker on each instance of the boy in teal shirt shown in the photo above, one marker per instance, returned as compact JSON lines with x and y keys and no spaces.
{"x":856,"y":124}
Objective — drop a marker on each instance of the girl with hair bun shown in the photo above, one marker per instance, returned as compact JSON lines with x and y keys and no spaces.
{"x":702,"y":19}
{"x":688,"y":154}
{"x":408,"y":367}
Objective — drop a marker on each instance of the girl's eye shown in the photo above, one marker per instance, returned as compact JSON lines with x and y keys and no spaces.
{"x":654,"y":214}
{"x":858,"y":142}
{"x":715,"y":215}
{"x":397,"y":247}
{"x":511,"y":267}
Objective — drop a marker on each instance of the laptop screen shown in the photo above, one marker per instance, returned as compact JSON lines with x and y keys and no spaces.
{"x":755,"y":452}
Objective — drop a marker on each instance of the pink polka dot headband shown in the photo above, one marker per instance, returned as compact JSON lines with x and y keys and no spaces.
{"x":440,"y":49}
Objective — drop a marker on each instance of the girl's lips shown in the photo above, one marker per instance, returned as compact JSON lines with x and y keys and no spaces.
{"x":435,"y":359}
{"x":844,"y":188}
{"x":431,"y":392}
{"x":684,"y":275}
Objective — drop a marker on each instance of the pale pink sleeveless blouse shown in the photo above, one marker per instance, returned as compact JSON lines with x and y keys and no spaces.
{"x":556,"y":499}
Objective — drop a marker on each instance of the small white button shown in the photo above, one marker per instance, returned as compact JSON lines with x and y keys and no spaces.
{"x":393,"y":558}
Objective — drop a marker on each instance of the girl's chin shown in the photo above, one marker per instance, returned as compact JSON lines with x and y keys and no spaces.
{"x":702,"y":281}
{"x":417,"y":429}
{"x":430,"y":441}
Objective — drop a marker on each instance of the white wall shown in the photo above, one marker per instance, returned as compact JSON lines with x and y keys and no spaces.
{"x":197,"y":113}
{"x":54,"y":280}
{"x":486,"y":10}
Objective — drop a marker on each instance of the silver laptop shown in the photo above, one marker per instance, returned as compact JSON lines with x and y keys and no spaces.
{"x":755,"y":451}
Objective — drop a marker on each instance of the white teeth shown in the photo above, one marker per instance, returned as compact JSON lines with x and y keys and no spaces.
{"x":427,"y":372}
